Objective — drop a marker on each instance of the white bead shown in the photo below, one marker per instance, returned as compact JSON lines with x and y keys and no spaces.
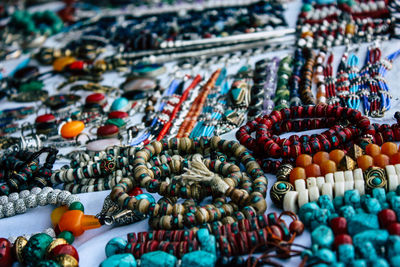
{"x":320,"y":182}
{"x":339,"y":177}
{"x":300,"y":185}
{"x":339,"y":189}
{"x":302,"y":198}
{"x":8,"y":209}
{"x":327,"y":190}
{"x":311,"y":182}
{"x":42,"y":198}
{"x":12,"y":239}
{"x":313,"y":193}
{"x":47,"y":190}
{"x":290,"y":201}
{"x":329,"y":178}
{"x":50,"y":232}
{"x":393,"y":181}
{"x":52,"y":196}
{"x":390,"y":170}
{"x":359,"y":186}
{"x":358,"y":175}
{"x":348,"y":180}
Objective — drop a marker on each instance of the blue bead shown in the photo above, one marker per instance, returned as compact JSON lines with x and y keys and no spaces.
{"x":120,"y":260}
{"x":147,"y":196}
{"x":326,"y":203}
{"x":332,"y":216}
{"x":395,"y":203}
{"x":376,"y":237}
{"x":322,"y":236}
{"x":347,"y":212}
{"x":202,"y":235}
{"x":115,"y":246}
{"x":358,"y":263}
{"x":346,"y":253}
{"x":158,"y":259}
{"x":380,"y":262}
{"x":326,"y":255}
{"x":306,"y":211}
{"x":395,"y":261}
{"x":120,"y":104}
{"x":389,"y":196}
{"x":393,"y":246}
{"x":211,"y":246}
{"x":367,"y":250}
{"x":198,"y":258}
{"x":307,"y":253}
{"x":338,"y":202}
{"x":320,"y":216}
{"x":372,"y":205}
{"x":352,"y":198}
{"x":380,"y":194}
{"x":362,"y":222}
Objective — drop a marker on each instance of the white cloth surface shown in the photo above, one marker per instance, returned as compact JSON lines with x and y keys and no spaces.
{"x":92,"y":243}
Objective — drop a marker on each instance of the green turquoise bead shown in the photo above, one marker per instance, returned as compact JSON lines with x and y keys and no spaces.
{"x":395,"y":261}
{"x":307,"y":253}
{"x":115,"y":246}
{"x":158,"y":259}
{"x":320,"y":217}
{"x":47,"y":263}
{"x":120,"y":103}
{"x":372,"y":205}
{"x":367,"y":250}
{"x":306,"y":8}
{"x":211,"y":246}
{"x":120,"y":260}
{"x":306,"y":212}
{"x":362,"y":222}
{"x":346,"y":253}
{"x":31,"y":86}
{"x":338,"y":202}
{"x":380,"y":194}
{"x":333,"y":215}
{"x":322,"y":236}
{"x":203,"y":235}
{"x":395,"y":204}
{"x":326,"y":203}
{"x":117,"y":122}
{"x":393,"y":246}
{"x":326,"y":255}
{"x":358,"y":263}
{"x":198,"y":258}
{"x":77,"y":206}
{"x":352,"y":198}
{"x":380,"y":262}
{"x":347,"y":212}
{"x":35,"y":249}
{"x":67,"y":235}
{"x":376,"y":237}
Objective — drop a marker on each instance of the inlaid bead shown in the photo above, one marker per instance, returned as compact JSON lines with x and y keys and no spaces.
{"x":6,"y":256}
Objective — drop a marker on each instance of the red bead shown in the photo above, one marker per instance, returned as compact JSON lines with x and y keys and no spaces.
{"x":135,"y":191}
{"x":363,"y":123}
{"x":108,"y":130}
{"x":320,"y":110}
{"x":64,"y":249}
{"x":339,"y":225}
{"x":6,"y":256}
{"x":386,"y":217}
{"x":77,"y":65}
{"x":296,"y":227}
{"x":117,"y":115}
{"x":97,"y":98}
{"x":394,"y":228}
{"x":277,"y":115}
{"x":46,"y":118}
{"x":342,"y":239}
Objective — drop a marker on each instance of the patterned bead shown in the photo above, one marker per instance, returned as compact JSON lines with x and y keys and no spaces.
{"x":42,"y":199}
{"x":50,"y":232}
{"x":20,"y":206}
{"x":31,"y":201}
{"x":13,"y":197}
{"x":52,"y":196}
{"x":37,"y":190}
{"x":63,"y":196}
{"x":71,"y":199}
{"x":45,"y":190}
{"x":24,"y":193}
{"x":8,"y":209}
{"x":1,"y":212}
{"x":3,"y":200}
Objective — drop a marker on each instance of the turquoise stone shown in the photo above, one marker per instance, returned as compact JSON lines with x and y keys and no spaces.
{"x":35,"y":249}
{"x":211,"y":246}
{"x":307,"y":253}
{"x":320,"y":217}
{"x":352,"y":198}
{"x":395,"y":261}
{"x":281,"y":186}
{"x":358,"y":263}
{"x":398,"y":190}
{"x":147,"y":196}
{"x":338,"y":264}
{"x":395,"y":203}
{"x":393,"y":246}
{"x":367,"y":250}
{"x":376,"y":181}
{"x":346,"y":253}
{"x":47,"y":263}
{"x":158,"y":259}
{"x":203,"y":235}
{"x":332,"y":216}
{"x":347,"y":212}
{"x":322,"y":236}
{"x":372,"y":205}
{"x":198,"y":258}
{"x":380,"y":262}
{"x":380,"y":194}
{"x":326,"y":255}
{"x":362,"y":222}
{"x":338,"y":202}
{"x":376,"y":237}
{"x":120,"y":104}
{"x":389,"y":196}
{"x":235,"y":93}
{"x":326,"y":203}
{"x":115,"y":246}
{"x":306,"y":211}
{"x":120,"y":260}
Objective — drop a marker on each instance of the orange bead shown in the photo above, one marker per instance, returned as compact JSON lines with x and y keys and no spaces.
{"x":77,"y":223}
{"x":72,"y":129}
{"x":60,"y":63}
{"x":320,"y":157}
{"x":389,"y":148}
{"x":303,"y":160}
{"x":57,"y":213}
{"x":381,"y":160}
{"x":336,"y":155}
{"x":313,"y":170}
{"x":372,"y":150}
{"x":395,"y":158}
{"x":297,"y":173}
{"x":328,"y":166}
{"x":365,"y":161}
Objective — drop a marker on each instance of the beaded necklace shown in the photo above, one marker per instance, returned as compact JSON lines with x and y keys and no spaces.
{"x":319,"y":77}
{"x":353,"y":100}
{"x":282,"y":93}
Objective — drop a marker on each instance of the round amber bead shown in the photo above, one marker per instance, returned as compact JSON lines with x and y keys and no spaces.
{"x":313,"y":170}
{"x":395,"y":158}
{"x":57,"y":213}
{"x":60,"y":63}
{"x":372,"y":150}
{"x":381,"y":160}
{"x":336,"y":155}
{"x":297,"y":173}
{"x":389,"y":148}
{"x":303,"y":160}
{"x":320,"y":157}
{"x":365,"y":161}
{"x":328,"y":166}
{"x":72,"y":129}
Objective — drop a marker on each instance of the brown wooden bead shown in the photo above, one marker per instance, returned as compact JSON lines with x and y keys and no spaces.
{"x":132,"y":203}
{"x":228,"y":220}
{"x":258,"y":202}
{"x":166,"y":222}
{"x":157,"y":147}
{"x":121,"y":199}
{"x":214,"y":142}
{"x":143,"y":206}
{"x":296,"y":227}
{"x":201,"y":215}
{"x":178,"y":209}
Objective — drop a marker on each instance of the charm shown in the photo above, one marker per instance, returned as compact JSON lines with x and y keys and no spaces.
{"x":283,"y":172}
{"x":375,"y":178}
{"x":347,"y":163}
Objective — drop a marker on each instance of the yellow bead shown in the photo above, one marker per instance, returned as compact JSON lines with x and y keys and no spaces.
{"x":60,"y":63}
{"x":72,"y":129}
{"x":57,"y":213}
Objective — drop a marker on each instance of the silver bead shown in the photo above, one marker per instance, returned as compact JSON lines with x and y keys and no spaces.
{"x":71,"y":199}
{"x":52,"y":196}
{"x":8,"y":209}
{"x":13,"y":197}
{"x":24,"y":193}
{"x":3,"y":200}
{"x":36,"y":190}
{"x":50,"y":232}
{"x":31,"y":201}
{"x":62,"y":197}
{"x":1,"y":212}
{"x":47,"y":189}
{"x":42,"y":199}
{"x":20,"y":206}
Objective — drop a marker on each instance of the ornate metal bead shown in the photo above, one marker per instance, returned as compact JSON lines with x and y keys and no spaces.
{"x":42,"y":199}
{"x":71,"y":199}
{"x":3,"y":200}
{"x":1,"y":212}
{"x":283,"y":172}
{"x":20,"y":206}
{"x":31,"y":201}
{"x":50,"y":232}
{"x":47,"y":189}
{"x":347,"y":163}
{"x":36,"y":190}
{"x":19,"y":245}
{"x":375,"y":177}
{"x":278,"y":192}
{"x":13,"y":197}
{"x":24,"y":193}
{"x":355,"y":151}
{"x":62,"y":197}
{"x":8,"y":209}
{"x":52,"y":196}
